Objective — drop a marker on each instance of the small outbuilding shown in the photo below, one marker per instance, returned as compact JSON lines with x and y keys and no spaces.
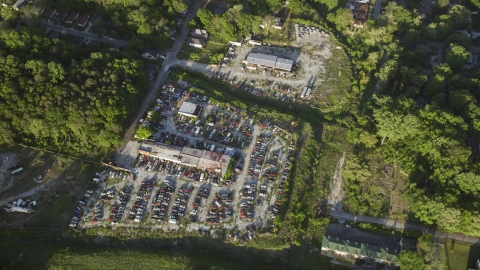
{"x":238,"y":42}
{"x":195,"y":42}
{"x":190,"y":109}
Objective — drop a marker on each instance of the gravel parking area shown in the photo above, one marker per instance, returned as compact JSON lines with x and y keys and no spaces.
{"x":309,"y":50}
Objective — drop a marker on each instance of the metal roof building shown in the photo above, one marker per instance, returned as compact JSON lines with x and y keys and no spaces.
{"x":160,"y":151}
{"x":351,"y":243}
{"x":207,"y":160}
{"x":283,"y":63}
{"x":269,"y":61}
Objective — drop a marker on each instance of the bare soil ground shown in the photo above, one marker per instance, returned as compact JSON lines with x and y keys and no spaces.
{"x":61,"y":186}
{"x":336,"y":195}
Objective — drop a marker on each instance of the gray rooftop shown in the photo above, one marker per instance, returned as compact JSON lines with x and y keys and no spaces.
{"x":269,"y":61}
{"x":285,"y":64}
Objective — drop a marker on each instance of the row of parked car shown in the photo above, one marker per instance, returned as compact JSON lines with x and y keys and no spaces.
{"x":161,"y":201}
{"x":118,"y":208}
{"x":81,"y":205}
{"x":180,"y":204}
{"x":221,"y":208}
{"x":273,"y":210}
{"x":117,"y":174}
{"x":258,"y":155}
{"x":247,"y":200}
{"x":203,"y":193}
{"x":139,"y":207}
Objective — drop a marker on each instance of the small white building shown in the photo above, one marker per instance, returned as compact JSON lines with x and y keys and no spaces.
{"x":199,"y":33}
{"x":255,"y":42}
{"x":18,"y":4}
{"x":195,"y":42}
{"x":190,"y":109}
{"x":237,"y":42}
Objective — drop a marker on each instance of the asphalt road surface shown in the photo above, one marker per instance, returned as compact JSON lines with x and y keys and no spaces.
{"x":169,"y":61}
{"x":378,"y":7}
{"x":390,"y":223}
{"x":79,"y":33}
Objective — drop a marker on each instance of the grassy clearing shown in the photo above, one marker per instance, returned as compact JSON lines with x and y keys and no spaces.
{"x":458,"y":255}
{"x":62,"y":187}
{"x":201,"y":55}
{"x":333,"y":93}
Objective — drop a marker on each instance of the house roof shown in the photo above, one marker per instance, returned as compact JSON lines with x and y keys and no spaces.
{"x":360,"y":15}
{"x":207,"y":160}
{"x":189,"y":108}
{"x":262,"y":59}
{"x":200,"y":33}
{"x":49,"y":12}
{"x":361,"y":249}
{"x":196,"y":41}
{"x":61,"y":15}
{"x":161,"y":151}
{"x":283,"y":63}
{"x":71,"y":16}
{"x":270,"y":61}
{"x":83,"y":18}
{"x":361,"y":6}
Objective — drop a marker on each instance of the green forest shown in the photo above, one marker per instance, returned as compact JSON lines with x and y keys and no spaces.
{"x":425,"y":121}
{"x":58,"y":96}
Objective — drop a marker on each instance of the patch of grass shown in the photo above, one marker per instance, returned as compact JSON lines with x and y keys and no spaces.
{"x":204,"y":54}
{"x":459,"y":255}
{"x":333,"y":94}
{"x":215,"y":47}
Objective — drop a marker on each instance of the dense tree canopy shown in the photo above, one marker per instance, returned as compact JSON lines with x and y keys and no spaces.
{"x":409,"y":260}
{"x":52,"y":97}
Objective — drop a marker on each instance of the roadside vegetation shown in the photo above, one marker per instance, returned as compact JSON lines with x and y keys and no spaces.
{"x":145,"y":23}
{"x":61,"y":97}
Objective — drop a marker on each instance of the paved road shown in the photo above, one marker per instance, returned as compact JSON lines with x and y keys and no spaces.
{"x":79,"y":33}
{"x":378,"y":7}
{"x":169,"y":61}
{"x":390,"y":223}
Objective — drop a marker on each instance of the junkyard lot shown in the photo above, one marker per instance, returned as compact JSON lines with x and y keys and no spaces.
{"x":310,"y":52}
{"x":143,"y":175}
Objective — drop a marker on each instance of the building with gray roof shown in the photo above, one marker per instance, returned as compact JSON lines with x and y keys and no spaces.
{"x":269,"y":61}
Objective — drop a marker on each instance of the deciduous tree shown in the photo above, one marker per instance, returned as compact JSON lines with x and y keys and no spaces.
{"x":457,"y":56}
